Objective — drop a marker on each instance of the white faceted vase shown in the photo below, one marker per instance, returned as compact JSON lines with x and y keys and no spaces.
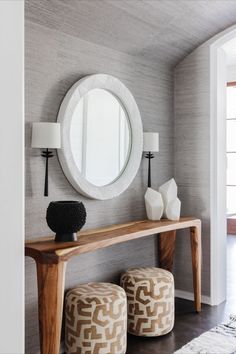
{"x":172,"y":204}
{"x":173,"y":210}
{"x":168,"y":191}
{"x":154,"y":204}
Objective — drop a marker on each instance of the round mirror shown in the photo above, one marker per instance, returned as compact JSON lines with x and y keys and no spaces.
{"x":102,"y":136}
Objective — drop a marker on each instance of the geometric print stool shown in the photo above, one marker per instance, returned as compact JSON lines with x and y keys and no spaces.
{"x":96,"y":319}
{"x":150,"y":296}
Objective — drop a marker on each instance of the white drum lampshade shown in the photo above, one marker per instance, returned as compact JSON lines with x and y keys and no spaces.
{"x":46,"y":135}
{"x":151,"y":142}
{"x":150,"y":145}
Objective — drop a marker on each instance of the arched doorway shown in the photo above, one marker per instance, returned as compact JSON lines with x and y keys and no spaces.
{"x":218,"y":164}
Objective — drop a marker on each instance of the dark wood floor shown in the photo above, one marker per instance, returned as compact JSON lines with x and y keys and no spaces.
{"x":188,"y":324}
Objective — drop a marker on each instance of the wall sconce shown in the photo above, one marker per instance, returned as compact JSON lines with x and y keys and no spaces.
{"x":46,"y":136}
{"x":150,"y":144}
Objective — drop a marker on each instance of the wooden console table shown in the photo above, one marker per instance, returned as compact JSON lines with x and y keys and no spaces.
{"x":51,"y":259}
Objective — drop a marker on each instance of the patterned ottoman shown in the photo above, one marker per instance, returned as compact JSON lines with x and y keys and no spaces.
{"x":150,"y":294}
{"x":96,"y":319}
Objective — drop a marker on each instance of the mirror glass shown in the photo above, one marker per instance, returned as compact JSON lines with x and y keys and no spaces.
{"x":100,"y":137}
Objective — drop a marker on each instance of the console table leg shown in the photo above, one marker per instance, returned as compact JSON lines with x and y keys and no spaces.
{"x":195,"y":235}
{"x":50,"y":305}
{"x":166,"y":248}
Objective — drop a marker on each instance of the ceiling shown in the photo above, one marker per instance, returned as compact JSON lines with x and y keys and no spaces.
{"x":164,"y":30}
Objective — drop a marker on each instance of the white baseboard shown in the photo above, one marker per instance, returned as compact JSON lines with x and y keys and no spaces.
{"x":189,"y":296}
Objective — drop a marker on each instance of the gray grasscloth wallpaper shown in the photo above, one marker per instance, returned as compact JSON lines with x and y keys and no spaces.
{"x":58,"y":52}
{"x":192,"y":158}
{"x":53,"y":62}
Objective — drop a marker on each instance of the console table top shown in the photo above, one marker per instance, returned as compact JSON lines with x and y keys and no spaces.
{"x":45,"y":249}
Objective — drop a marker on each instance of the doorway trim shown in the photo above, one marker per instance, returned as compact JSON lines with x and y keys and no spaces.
{"x":218,"y":164}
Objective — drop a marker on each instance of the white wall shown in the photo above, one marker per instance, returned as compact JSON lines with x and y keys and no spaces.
{"x":11,"y":176}
{"x":231,"y":73}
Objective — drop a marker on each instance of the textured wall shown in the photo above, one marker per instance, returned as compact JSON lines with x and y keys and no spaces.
{"x":192,"y":158}
{"x":53,"y":62}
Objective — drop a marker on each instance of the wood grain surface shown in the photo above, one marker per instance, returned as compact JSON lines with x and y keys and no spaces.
{"x":166,"y":247}
{"x":46,"y":250}
{"x":51,"y":280}
{"x":231,"y":83}
{"x":195,"y":237}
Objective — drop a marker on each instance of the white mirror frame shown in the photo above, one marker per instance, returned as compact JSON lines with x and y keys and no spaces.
{"x":72,"y":172}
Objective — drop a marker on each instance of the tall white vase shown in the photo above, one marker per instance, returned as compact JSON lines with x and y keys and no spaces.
{"x":154,"y":204}
{"x":172,"y":204}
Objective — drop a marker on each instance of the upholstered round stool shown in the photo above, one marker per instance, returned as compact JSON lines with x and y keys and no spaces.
{"x":150,"y":295}
{"x":96,"y":319}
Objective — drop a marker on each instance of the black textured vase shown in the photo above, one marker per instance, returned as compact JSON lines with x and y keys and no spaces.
{"x":66,"y":218}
